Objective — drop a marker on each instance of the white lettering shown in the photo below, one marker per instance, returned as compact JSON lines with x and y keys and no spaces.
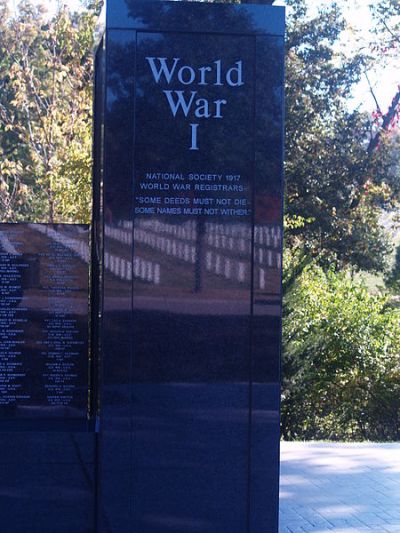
{"x":235,"y":70}
{"x":202,"y":108}
{"x":194,"y":137}
{"x":218,"y":104}
{"x":180,"y":102}
{"x":163,"y":69}
{"x":203,"y":71}
{"x":189,"y":79}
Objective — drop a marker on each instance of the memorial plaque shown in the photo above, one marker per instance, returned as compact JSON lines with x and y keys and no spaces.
{"x":196,"y":100}
{"x":44,"y":362}
{"x":188,"y":148}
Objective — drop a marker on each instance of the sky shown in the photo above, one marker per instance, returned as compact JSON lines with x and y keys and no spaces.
{"x":384,"y":80}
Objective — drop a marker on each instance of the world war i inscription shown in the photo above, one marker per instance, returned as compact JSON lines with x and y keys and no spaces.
{"x":43,"y":321}
{"x":198,"y":96}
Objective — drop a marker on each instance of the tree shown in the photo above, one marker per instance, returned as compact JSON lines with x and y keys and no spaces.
{"x":340,"y":164}
{"x":45,"y":111}
{"x":341,"y":377}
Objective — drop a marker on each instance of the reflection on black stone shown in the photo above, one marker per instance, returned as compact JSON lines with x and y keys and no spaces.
{"x":243,"y":19}
{"x":43,"y":321}
{"x":193,"y":208}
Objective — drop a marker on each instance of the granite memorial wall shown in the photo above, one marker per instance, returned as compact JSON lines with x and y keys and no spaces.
{"x":44,"y":308}
{"x":159,"y":410}
{"x":47,"y":443}
{"x":188,"y":237}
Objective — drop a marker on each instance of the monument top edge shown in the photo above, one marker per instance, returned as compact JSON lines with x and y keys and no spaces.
{"x":257,"y":17}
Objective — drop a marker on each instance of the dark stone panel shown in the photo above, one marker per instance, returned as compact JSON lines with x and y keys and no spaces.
{"x":264,"y":489}
{"x":190,"y":460}
{"x":191,"y":319}
{"x":115,"y":465}
{"x":191,"y":269}
{"x":46,"y":483}
{"x":44,"y":354}
{"x":47,"y":479}
{"x":267,"y":264}
{"x":191,"y":210}
{"x":97,"y":237}
{"x":195,"y":17}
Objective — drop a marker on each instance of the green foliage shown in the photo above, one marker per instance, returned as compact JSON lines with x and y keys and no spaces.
{"x":45,"y":111}
{"x":341,"y":361}
{"x":339,"y":172}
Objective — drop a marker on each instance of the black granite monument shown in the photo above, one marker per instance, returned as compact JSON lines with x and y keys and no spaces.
{"x":165,"y":418}
{"x":187,"y":266}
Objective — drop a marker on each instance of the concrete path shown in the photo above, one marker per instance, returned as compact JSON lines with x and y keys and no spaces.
{"x":346,"y":488}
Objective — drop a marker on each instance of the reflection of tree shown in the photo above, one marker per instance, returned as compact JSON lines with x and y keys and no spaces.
{"x":228,"y":20}
{"x":119,"y":123}
{"x":269,"y":119}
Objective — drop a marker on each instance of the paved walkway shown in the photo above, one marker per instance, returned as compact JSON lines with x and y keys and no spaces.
{"x":345,"y":488}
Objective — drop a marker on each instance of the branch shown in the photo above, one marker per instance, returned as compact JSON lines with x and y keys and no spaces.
{"x":394,"y":36}
{"x":374,"y":141}
{"x":371,"y":90}
{"x":387,"y":119}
